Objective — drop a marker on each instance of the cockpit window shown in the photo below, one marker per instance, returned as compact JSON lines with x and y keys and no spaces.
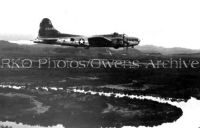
{"x":115,"y":34}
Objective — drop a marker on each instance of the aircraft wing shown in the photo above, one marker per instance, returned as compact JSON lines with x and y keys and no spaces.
{"x":99,"y":41}
{"x":102,"y":38}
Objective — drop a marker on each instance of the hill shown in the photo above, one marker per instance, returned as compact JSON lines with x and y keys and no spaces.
{"x":165,"y":51}
{"x":14,"y":49}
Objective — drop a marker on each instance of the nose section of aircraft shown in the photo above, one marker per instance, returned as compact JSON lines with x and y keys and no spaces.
{"x":138,"y":40}
{"x":133,"y":41}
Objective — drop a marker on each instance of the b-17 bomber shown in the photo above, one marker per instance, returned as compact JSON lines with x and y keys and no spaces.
{"x":49,"y":35}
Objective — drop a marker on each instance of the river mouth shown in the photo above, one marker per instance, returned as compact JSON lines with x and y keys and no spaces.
{"x":75,"y":108}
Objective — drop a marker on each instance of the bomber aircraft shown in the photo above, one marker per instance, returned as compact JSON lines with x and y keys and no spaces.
{"x":49,"y":35}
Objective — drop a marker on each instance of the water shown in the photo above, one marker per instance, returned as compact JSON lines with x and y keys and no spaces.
{"x":189,"y":119}
{"x":21,"y":125}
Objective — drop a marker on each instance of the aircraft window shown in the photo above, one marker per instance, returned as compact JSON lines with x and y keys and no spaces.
{"x":72,"y":39}
{"x":115,"y":34}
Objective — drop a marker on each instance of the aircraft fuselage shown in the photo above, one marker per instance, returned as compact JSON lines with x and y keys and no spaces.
{"x":49,"y":35}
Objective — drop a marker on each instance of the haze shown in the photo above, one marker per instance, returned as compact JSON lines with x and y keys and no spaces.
{"x":167,"y":23}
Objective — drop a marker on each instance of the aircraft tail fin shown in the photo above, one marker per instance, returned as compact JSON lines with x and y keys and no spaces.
{"x":47,"y":30}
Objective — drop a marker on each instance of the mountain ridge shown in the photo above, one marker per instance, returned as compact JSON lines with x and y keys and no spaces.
{"x":166,"y":51}
{"x":6,"y":47}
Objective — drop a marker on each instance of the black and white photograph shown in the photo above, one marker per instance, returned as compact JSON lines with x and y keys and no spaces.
{"x":99,"y":64}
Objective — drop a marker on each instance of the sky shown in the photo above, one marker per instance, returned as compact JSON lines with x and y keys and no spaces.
{"x":167,"y":23}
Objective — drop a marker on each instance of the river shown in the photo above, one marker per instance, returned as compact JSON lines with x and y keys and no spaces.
{"x":189,"y":119}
